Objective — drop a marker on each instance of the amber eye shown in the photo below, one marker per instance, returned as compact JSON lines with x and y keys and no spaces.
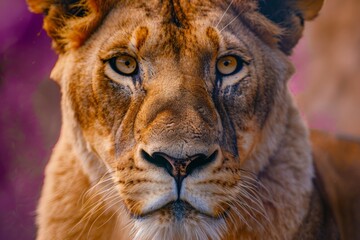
{"x":124,"y":64}
{"x":229,"y":65}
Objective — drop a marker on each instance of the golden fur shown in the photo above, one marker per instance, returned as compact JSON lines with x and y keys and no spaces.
{"x":241,"y":136}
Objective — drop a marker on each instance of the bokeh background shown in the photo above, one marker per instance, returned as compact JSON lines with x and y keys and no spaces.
{"x":326,"y":87}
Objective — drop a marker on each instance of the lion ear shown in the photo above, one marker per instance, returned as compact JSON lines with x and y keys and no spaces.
{"x":70,"y":22}
{"x":290,"y":16}
{"x":309,"y":8}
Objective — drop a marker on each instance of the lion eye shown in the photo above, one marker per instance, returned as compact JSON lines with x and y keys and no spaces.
{"x":229,"y":65}
{"x":124,"y":64}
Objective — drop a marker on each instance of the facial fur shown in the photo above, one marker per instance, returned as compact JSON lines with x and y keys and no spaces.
{"x":178,"y":150}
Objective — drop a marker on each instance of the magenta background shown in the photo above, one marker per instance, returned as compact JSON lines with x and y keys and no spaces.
{"x":30,"y":115}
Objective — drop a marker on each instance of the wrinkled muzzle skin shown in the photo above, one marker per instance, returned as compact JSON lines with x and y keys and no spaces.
{"x":177,"y":150}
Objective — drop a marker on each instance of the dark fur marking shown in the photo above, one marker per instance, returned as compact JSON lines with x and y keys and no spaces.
{"x":226,"y":123}
{"x":174,"y":18}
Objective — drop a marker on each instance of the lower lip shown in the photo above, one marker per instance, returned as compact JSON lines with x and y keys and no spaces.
{"x":179,"y":209}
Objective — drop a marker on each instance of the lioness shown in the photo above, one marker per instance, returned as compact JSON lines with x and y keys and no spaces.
{"x":178,"y":124}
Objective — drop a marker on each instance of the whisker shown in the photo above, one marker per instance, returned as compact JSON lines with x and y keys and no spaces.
{"x":224,"y":13}
{"x":86,"y":216}
{"x":252,"y":197}
{"x":100,"y":208}
{"x":119,"y":212}
{"x":252,"y":191}
{"x":105,"y":178}
{"x":253,"y":210}
{"x":230,"y":22}
{"x":102,"y":199}
{"x":117,"y":201}
{"x":245,"y":207}
{"x":105,"y":191}
{"x":230,"y":214}
{"x":92,"y":208}
{"x":235,"y":210}
{"x":253,"y":180}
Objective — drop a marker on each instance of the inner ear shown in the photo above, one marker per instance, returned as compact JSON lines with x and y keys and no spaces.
{"x":75,"y":8}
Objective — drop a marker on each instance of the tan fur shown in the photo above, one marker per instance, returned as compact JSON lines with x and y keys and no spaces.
{"x":104,"y":181}
{"x":338,"y":164}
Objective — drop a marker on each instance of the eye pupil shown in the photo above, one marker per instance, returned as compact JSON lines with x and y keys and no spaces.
{"x":124,"y":65}
{"x":228,"y":65}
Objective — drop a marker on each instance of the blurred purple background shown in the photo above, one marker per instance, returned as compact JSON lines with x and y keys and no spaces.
{"x":30,"y":116}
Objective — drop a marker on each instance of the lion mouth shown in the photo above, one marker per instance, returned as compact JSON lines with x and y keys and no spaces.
{"x":177,"y":210}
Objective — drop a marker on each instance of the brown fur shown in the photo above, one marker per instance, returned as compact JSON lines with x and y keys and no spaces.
{"x":107,"y":178}
{"x":338,"y":164}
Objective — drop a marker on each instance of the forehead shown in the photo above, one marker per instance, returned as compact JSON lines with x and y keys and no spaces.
{"x":172,"y":26}
{"x":178,"y":12}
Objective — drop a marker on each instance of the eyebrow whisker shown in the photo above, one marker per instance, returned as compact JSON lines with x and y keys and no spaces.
{"x":224,"y":13}
{"x":230,"y":22}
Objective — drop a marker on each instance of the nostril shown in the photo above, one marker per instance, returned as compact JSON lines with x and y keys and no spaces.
{"x":157,"y":160}
{"x":200,"y":161}
{"x":178,"y":168}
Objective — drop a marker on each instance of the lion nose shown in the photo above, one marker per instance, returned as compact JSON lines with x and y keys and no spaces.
{"x":179,"y":168}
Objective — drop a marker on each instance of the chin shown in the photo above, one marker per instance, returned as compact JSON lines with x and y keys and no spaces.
{"x":178,"y":220}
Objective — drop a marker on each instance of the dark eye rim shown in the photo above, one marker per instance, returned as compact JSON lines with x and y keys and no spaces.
{"x":112,"y":63}
{"x":239,"y":67}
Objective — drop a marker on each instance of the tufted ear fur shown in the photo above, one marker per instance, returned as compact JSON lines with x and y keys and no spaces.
{"x":70,"y":22}
{"x":290,"y":16}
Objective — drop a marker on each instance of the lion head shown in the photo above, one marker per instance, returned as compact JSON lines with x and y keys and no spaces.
{"x":182,"y":107}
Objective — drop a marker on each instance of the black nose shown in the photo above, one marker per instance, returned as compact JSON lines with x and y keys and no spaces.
{"x":177,"y":167}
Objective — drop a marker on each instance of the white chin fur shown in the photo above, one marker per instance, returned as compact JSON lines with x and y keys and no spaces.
{"x":199,"y":227}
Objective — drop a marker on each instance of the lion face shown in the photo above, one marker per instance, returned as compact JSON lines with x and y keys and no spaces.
{"x":174,"y":106}
{"x":182,"y":105}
